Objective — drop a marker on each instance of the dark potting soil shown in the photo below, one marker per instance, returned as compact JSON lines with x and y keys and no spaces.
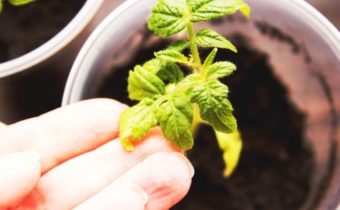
{"x":276,"y":164}
{"x":25,"y":28}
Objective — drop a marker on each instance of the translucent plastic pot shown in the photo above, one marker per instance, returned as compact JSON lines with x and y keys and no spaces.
{"x":303,"y":48}
{"x":24,"y":80}
{"x":55,"y":44}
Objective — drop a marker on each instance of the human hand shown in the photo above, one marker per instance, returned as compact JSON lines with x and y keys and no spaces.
{"x":71,"y":158}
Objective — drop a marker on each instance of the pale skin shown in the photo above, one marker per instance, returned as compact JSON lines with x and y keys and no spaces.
{"x":71,"y":158}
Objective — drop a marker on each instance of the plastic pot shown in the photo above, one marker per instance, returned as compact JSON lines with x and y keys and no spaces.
{"x":303,"y":48}
{"x":55,"y":44}
{"x":24,"y":80}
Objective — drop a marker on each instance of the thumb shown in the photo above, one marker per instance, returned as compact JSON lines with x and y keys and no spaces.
{"x":19,"y":173}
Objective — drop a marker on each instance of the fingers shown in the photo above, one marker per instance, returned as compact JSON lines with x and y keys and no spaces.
{"x":164,"y":177}
{"x":87,"y":174}
{"x":125,"y":196}
{"x":19,"y":173}
{"x":64,"y":133}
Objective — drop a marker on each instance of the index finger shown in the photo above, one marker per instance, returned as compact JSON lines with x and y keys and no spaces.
{"x":65,"y":132}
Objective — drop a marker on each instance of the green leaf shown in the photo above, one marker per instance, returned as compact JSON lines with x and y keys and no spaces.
{"x":219,"y":70}
{"x":167,"y":17}
{"x":210,"y":59}
{"x":204,"y":10}
{"x":136,"y":121}
{"x":19,"y":2}
{"x":179,"y":45}
{"x":1,"y":5}
{"x":231,"y":145}
{"x":153,"y":66}
{"x":208,"y":38}
{"x":166,"y":70}
{"x":143,"y":84}
{"x":189,"y":82}
{"x":175,"y":117}
{"x":215,"y":108}
{"x":171,"y":55}
{"x":170,"y":72}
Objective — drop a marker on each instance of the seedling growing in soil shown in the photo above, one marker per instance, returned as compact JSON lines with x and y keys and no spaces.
{"x":176,"y":102}
{"x":15,"y":3}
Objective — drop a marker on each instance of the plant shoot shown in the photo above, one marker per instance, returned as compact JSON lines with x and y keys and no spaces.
{"x":176,"y":102}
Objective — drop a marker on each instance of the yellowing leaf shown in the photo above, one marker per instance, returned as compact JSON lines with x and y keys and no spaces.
{"x":135,"y":122}
{"x":231,"y":145}
{"x":246,"y":10}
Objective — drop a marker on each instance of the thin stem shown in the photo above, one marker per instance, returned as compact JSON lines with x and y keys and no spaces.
{"x":193,"y":46}
{"x":191,"y":34}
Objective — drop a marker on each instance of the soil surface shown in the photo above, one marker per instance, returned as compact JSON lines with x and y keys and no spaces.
{"x":276,"y":164}
{"x":27,"y":27}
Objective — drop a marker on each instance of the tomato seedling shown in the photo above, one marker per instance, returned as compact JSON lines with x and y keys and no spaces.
{"x":178,"y":102}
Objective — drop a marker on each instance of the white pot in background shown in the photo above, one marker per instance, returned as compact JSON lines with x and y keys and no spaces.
{"x":55,"y":44}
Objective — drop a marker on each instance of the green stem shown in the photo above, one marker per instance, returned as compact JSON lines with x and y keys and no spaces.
{"x":193,"y":47}
{"x":191,"y":34}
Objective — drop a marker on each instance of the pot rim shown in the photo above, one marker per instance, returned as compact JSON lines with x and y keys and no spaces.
{"x":55,"y":44}
{"x":326,"y":29}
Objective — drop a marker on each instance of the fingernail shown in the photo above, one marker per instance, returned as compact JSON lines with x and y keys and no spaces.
{"x":191,"y":168}
{"x":139,"y":190}
{"x":19,"y":160}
